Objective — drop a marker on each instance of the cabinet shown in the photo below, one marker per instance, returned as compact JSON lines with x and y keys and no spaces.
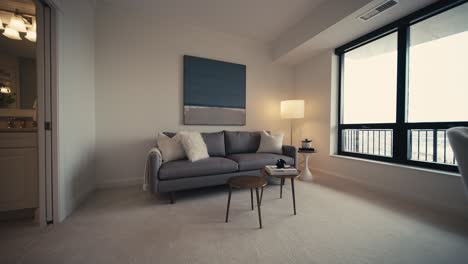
{"x":18,"y":171}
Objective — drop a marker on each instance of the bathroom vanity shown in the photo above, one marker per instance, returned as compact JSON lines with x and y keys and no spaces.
{"x":18,"y":169}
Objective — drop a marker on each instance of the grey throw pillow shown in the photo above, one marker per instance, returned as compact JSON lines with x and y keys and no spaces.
{"x":271,"y":143}
{"x":215,"y":144}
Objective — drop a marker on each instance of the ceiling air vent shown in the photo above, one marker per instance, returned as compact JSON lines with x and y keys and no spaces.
{"x":378,"y":9}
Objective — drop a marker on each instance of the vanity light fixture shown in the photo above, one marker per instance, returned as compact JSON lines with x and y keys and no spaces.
{"x":20,"y":23}
{"x":5,"y":90}
{"x":17,"y":23}
{"x":11,"y":33}
{"x":31,"y":34}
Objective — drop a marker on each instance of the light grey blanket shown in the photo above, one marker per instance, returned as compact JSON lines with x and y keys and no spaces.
{"x":147,"y":174}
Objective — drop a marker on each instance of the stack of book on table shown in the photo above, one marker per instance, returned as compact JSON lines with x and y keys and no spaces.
{"x":287,"y":170}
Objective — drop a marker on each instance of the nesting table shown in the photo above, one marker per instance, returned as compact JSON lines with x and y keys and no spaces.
{"x":247,"y":182}
{"x":283,"y":178}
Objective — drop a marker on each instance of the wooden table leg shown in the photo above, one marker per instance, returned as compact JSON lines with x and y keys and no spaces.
{"x":229,"y":203}
{"x":251,"y":198}
{"x":258,"y":208}
{"x":281,"y":188}
{"x":261,"y":196}
{"x":293,"y":195}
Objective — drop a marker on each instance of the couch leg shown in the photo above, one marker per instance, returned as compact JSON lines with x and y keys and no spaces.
{"x":172,"y":197}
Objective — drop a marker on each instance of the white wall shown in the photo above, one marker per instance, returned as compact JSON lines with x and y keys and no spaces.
{"x":139,"y":85}
{"x":315,"y":82}
{"x":76,"y":116}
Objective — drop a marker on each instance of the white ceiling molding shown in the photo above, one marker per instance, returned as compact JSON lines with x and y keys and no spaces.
{"x":324,"y":16}
{"x":340,"y":32}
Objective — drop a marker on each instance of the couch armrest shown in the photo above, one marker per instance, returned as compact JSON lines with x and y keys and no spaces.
{"x":290,"y":151}
{"x":153,"y":164}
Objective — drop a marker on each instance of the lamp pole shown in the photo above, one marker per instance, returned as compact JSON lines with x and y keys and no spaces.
{"x":291,"y":132}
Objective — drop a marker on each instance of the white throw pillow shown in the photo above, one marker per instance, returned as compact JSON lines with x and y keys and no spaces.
{"x":271,"y":143}
{"x":171,"y":148}
{"x":194,"y":145}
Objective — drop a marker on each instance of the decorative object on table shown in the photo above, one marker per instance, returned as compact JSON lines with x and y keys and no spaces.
{"x":194,"y":145}
{"x":306,"y":175}
{"x":458,"y":138}
{"x":280,"y":163}
{"x":271,"y":143}
{"x":214,"y":92}
{"x":306,"y":144}
{"x":292,"y":109}
{"x":282,"y":178}
{"x":275,"y":171}
{"x":249,"y":182}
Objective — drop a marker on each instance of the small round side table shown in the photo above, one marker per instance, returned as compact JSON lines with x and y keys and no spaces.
{"x":306,"y":175}
{"x":249,"y":182}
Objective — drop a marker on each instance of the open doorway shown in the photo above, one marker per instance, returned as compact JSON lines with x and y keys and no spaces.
{"x":26,"y":112}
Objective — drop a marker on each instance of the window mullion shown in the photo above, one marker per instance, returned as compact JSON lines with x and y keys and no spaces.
{"x":400,"y":146}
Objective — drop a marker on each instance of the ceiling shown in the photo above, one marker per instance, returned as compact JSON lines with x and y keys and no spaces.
{"x":262,"y":20}
{"x":349,"y":29}
{"x":24,"y":6}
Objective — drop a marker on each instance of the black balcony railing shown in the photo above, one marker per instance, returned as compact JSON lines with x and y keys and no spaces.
{"x":430,"y":145}
{"x":377,"y":142}
{"x":424,"y":145}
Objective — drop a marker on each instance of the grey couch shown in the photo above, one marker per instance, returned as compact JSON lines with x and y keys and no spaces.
{"x":232,"y":153}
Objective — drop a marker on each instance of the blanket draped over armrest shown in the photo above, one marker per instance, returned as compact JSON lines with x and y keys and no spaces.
{"x":147,"y":174}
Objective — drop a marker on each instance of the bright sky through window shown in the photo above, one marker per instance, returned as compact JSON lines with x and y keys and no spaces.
{"x":370,"y":82}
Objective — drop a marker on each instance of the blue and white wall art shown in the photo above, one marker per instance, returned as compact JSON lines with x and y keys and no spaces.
{"x":214,"y":92}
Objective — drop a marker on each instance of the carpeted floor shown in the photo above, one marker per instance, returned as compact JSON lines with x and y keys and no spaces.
{"x":343,"y":224}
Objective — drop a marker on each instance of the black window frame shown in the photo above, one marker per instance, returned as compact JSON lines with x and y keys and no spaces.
{"x":401,"y":126}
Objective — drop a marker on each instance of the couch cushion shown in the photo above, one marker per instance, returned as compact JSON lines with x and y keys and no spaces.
{"x":241,"y":142}
{"x":256,"y":161}
{"x":185,"y":168}
{"x":214,"y":142}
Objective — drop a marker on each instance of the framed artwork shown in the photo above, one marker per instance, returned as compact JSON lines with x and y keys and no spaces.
{"x":214,"y":92}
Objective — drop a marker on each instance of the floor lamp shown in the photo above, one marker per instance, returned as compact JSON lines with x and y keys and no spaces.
{"x":292,"y":109}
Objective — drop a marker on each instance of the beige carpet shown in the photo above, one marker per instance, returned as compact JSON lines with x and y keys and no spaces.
{"x":345,"y":224}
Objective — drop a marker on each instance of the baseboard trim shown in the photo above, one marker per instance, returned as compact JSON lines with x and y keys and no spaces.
{"x":106,"y":184}
{"x":415,"y":200}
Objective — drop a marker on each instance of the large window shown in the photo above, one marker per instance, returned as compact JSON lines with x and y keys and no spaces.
{"x":404,"y":85}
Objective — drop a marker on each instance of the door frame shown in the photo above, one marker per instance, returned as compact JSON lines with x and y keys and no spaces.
{"x":47,"y":111}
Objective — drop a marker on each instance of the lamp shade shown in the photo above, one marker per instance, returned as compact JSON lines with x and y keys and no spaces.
{"x":292,"y":109}
{"x":11,"y":33}
{"x":17,"y":23}
{"x":31,"y":36}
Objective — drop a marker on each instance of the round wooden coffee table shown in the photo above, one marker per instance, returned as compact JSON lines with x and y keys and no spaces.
{"x":283,"y":178}
{"x":249,"y":182}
